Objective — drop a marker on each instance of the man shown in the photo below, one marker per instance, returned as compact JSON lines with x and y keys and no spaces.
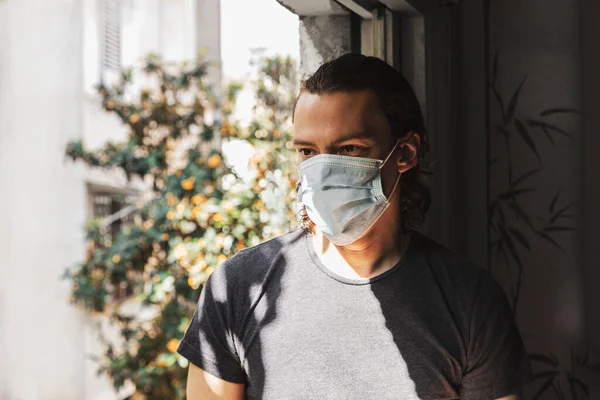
{"x":356,"y":304}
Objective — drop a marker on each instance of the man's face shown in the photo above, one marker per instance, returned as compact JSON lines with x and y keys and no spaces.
{"x":343,"y":123}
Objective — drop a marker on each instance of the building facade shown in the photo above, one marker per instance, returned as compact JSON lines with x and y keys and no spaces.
{"x":52,"y":54}
{"x":510,"y":92}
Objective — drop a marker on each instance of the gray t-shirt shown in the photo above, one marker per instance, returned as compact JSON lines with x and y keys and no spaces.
{"x":432,"y":327}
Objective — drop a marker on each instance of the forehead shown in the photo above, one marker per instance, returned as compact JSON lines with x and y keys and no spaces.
{"x":339,"y":113}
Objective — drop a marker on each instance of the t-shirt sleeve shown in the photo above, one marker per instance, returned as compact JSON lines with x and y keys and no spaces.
{"x":209,"y":340}
{"x":498,"y":365}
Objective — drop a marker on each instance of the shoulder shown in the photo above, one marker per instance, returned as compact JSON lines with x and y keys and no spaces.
{"x":269,"y":249}
{"x":259,"y":257}
{"x":447,"y":263}
{"x":457,"y":277}
{"x":253,"y":264}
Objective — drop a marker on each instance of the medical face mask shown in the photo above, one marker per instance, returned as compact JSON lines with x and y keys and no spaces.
{"x":343,"y":195}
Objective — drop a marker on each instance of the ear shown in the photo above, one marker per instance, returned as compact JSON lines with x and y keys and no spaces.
{"x":409,"y":150}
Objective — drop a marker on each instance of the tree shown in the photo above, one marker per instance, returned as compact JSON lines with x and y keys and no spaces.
{"x":196,"y":213}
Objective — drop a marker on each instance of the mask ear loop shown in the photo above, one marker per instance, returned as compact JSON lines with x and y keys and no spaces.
{"x":387,"y":199}
{"x":390,"y":154}
{"x":394,"y":149}
{"x":398,"y":178}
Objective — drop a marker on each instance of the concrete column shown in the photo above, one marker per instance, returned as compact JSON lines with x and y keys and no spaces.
{"x":41,"y":213}
{"x":322,"y":38}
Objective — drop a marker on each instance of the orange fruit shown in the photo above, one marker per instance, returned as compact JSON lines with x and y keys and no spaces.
{"x":194,"y":284}
{"x":188,"y":184}
{"x":134,"y":118}
{"x":172,"y":345}
{"x":214,"y":161}
{"x":201,"y":265}
{"x":198,"y":199}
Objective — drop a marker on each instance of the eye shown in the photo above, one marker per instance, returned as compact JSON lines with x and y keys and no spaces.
{"x":351,"y":150}
{"x":306,"y":152}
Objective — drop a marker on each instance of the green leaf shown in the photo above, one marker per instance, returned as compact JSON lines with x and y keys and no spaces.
{"x":550,"y":239}
{"x":207,"y":134}
{"x":560,"y":213}
{"x":560,"y":229}
{"x":523,"y":177}
{"x":543,"y":389}
{"x":514,"y":193}
{"x":500,"y":251}
{"x":594,"y":368}
{"x":552,"y":111}
{"x":548,"y":135}
{"x":502,"y":217}
{"x":522,"y":129}
{"x":520,"y":237}
{"x":553,"y":202}
{"x":500,"y":102}
{"x":512,"y":105}
{"x":512,"y":249}
{"x":502,"y":130}
{"x":549,"y":127}
{"x":546,"y":359}
{"x":575,"y":385}
{"x":521,"y":213}
{"x":546,"y":374}
{"x":495,"y":69}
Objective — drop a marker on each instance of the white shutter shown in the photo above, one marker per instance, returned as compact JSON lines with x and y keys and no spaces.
{"x":110,"y":33}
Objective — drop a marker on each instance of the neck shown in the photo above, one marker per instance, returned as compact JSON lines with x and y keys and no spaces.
{"x":374,"y":253}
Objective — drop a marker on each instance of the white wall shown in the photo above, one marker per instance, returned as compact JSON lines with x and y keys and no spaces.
{"x":42,"y":196}
{"x":3,"y":222}
{"x":49,"y":57}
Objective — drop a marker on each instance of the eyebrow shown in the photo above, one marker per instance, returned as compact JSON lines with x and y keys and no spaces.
{"x":351,"y":136}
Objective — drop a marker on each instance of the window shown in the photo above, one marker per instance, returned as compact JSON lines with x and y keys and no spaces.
{"x":110,"y":39}
{"x":394,"y":31}
{"x":114,"y":208}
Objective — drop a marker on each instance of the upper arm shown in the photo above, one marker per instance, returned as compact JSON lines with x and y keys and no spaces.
{"x":203,"y":386}
{"x":497,"y":363}
{"x":209,"y":342}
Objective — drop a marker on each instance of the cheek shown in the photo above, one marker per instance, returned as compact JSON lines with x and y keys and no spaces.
{"x":375,"y":152}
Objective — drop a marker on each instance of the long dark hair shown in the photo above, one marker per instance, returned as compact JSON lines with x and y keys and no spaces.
{"x":397,"y":100}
